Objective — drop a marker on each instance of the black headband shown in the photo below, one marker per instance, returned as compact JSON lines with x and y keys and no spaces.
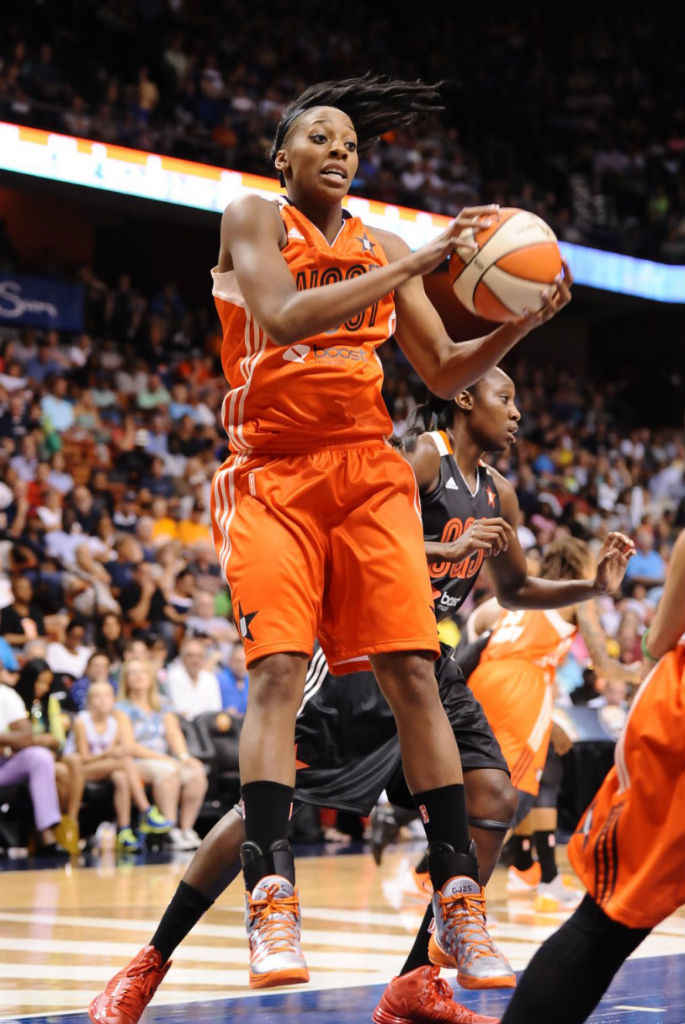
{"x":284,"y":127}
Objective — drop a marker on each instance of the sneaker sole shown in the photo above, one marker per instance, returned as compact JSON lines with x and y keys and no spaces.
{"x":273,"y":979}
{"x":439,"y":958}
{"x":380,"y":1016}
{"x":504,"y":981}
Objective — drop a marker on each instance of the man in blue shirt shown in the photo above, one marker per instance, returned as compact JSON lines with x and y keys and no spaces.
{"x":646,"y":566}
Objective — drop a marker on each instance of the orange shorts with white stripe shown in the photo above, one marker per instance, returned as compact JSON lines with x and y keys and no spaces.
{"x":327,"y":544}
{"x":517,"y":699}
{"x":629,"y":846}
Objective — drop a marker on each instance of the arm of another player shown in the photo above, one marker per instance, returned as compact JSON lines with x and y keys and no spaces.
{"x":668,"y":624}
{"x":488,"y":535}
{"x":447,"y":367}
{"x":516,"y":589}
{"x":252,"y":234}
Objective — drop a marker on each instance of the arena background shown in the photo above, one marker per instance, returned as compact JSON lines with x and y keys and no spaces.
{"x":532,"y":106}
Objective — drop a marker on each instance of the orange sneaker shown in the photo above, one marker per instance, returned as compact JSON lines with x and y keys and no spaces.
{"x":524,"y":881}
{"x":422,"y":881}
{"x":129,"y":991}
{"x":422,"y":997}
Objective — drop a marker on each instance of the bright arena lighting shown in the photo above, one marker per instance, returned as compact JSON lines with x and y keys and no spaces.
{"x":166,"y":179}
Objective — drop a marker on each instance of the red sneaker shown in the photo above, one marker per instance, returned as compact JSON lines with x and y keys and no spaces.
{"x":129,"y":991}
{"x":422,"y":997}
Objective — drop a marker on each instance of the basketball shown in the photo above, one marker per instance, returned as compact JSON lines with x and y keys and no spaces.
{"x":517,"y":258}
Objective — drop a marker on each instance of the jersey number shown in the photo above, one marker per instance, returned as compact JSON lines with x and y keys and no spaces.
{"x":331,"y":275}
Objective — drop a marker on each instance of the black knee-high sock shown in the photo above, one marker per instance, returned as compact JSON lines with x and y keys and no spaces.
{"x":418,"y":956}
{"x":267,"y":812}
{"x":545,"y":847}
{"x":572,"y":970}
{"x":180,"y":917}
{"x":522,"y":853}
{"x":443,"y":813}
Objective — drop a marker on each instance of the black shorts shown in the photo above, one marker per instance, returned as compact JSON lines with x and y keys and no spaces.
{"x":346,"y":740}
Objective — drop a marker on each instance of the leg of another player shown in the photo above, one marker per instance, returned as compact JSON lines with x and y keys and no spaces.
{"x":432,"y":769}
{"x":491,"y":802}
{"x":573,"y":968}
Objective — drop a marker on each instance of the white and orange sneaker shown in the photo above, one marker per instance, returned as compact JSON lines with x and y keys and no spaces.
{"x":272,"y":916}
{"x":524,"y":881}
{"x":559,"y":894}
{"x":461,"y":939}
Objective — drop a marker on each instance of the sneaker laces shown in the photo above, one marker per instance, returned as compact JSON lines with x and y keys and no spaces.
{"x":130,"y":998}
{"x":470,"y":906}
{"x":444,"y":997}
{"x":273,"y":915}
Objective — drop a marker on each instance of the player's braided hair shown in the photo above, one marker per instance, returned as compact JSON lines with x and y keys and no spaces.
{"x":374,"y":103}
{"x":565,"y":559}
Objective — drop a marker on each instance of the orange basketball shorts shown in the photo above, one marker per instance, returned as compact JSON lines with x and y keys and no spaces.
{"x":517,"y":699}
{"x":629,"y":846}
{"x":327,"y":544}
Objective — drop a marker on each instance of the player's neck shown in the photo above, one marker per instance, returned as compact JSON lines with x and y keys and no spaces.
{"x":328,"y":219}
{"x":466,"y":452}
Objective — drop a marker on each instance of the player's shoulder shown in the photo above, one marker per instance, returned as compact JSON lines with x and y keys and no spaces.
{"x":422,"y":453}
{"x":504,"y":487}
{"x":250,"y":210}
{"x":394,"y":247}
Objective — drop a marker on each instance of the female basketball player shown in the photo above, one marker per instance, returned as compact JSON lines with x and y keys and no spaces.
{"x":514,"y":683}
{"x":628,"y":846}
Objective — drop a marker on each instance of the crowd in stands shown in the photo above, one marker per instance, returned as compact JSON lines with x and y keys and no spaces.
{"x":584,"y":124}
{"x":115,"y":620}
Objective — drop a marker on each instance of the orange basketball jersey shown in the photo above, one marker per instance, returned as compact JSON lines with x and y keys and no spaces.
{"x":324,"y":390}
{"x":543,"y":637}
{"x":629,"y":846}
{"x":513,"y":682}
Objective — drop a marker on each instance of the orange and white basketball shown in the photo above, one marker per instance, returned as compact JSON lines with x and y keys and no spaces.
{"x":517,"y":258}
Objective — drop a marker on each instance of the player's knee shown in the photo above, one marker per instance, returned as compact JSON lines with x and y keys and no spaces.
{"x":277,"y":680}
{"x":407,"y":680}
{"x":491,"y":795}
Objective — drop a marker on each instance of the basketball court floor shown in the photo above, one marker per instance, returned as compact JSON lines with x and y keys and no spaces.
{"x":65,"y":930}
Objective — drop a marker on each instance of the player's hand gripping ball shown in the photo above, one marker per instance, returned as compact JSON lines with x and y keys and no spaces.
{"x":517,"y":258}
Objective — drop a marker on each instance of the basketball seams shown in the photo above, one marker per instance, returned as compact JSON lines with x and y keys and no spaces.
{"x":510,"y":293}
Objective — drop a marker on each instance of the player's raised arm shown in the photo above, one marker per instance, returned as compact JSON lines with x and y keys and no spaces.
{"x":668,"y":624}
{"x":252,"y":236}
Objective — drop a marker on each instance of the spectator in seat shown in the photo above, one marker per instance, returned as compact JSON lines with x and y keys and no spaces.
{"x":98,"y":740}
{"x":646,"y":566}
{"x":109,"y":639}
{"x":191,"y":687}
{"x":233,"y":682}
{"x":71,"y":657}
{"x":25,"y":759}
{"x":22,"y":620}
{"x":49,"y":724}
{"x":97,"y":671}
{"x":153,"y":735}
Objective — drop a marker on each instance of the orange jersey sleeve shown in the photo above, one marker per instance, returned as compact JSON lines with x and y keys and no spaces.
{"x":323,"y":390}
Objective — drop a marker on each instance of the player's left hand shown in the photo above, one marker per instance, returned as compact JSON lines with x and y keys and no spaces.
{"x":553,"y":300}
{"x":614,"y":555}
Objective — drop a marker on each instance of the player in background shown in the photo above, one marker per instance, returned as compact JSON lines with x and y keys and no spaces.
{"x":347,"y":745}
{"x":629,"y":846}
{"x":514,"y":683}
